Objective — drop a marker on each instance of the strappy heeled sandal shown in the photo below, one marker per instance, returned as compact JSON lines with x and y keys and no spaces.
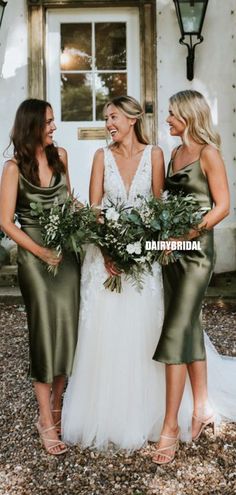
{"x":204,"y":423}
{"x":161,"y":451}
{"x":55,"y":442}
{"x":58,"y":423}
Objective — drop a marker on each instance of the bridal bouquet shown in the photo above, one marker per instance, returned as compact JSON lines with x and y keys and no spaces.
{"x":122,"y":239}
{"x":66,"y":227}
{"x":134,"y":238}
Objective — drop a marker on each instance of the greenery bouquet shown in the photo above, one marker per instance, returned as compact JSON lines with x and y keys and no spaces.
{"x":66,"y":227}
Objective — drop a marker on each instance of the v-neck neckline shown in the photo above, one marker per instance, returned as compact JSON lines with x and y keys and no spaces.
{"x":127,"y":192}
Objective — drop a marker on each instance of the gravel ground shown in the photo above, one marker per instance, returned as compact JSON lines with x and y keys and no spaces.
{"x":207,"y":467}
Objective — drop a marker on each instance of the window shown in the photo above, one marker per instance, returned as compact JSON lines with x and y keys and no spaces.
{"x":93,"y":68}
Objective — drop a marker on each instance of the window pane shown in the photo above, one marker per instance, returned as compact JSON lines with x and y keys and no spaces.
{"x":110,"y":39}
{"x":76,"y":46}
{"x":108,"y":86}
{"x":76,"y":97}
{"x":191,"y":16}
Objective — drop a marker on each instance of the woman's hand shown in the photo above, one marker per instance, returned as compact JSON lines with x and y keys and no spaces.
{"x":78,"y":203}
{"x":192,"y":234}
{"x":49,"y":256}
{"x":110,"y":266}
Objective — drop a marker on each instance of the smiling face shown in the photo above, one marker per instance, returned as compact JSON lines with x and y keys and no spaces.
{"x":49,"y":128}
{"x":177,"y":127}
{"x":118,"y":125}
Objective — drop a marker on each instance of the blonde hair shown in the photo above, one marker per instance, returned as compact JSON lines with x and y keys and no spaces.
{"x":191,"y":108}
{"x":132,"y":109}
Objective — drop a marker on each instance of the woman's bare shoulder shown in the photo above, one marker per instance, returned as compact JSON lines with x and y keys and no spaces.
{"x":99,"y":156}
{"x":209,"y":151}
{"x":63,"y":155}
{"x":11,"y":167}
{"x":157,"y":151}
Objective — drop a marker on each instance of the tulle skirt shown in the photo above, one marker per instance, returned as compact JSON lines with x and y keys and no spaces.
{"x":116,"y":394}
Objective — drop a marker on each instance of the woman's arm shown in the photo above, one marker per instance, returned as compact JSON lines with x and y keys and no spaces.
{"x":214,"y":169}
{"x":158,"y":171}
{"x":96,"y":180}
{"x":8,"y":197}
{"x":96,"y":191}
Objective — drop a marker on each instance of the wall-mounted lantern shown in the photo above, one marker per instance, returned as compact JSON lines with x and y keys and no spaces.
{"x":2,"y":8}
{"x":190,"y":15}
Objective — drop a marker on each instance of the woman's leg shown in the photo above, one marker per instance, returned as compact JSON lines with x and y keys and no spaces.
{"x":57,"y":391}
{"x":43,"y":395}
{"x":198,"y":377}
{"x":175,"y":382}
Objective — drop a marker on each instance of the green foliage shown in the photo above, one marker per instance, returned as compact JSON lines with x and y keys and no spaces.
{"x":67,"y":226}
{"x":125,"y":231}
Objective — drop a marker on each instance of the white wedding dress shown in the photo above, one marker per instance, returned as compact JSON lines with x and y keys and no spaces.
{"x":116,"y":394}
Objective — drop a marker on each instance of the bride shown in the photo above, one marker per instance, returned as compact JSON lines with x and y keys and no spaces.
{"x":116,"y":392}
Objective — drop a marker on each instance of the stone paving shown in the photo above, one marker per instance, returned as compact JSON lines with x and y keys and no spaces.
{"x":204,"y":468}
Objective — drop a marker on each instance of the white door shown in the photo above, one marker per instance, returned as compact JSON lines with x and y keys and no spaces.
{"x":92,"y":55}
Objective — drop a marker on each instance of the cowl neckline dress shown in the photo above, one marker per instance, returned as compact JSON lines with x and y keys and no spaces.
{"x":186,"y":280}
{"x":52,"y":303}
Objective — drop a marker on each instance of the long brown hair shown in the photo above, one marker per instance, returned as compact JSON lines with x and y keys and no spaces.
{"x":131,"y":108}
{"x":27,"y":135}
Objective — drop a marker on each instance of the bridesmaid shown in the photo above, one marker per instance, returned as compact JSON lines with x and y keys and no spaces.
{"x":196,"y":167}
{"x":38,"y":173}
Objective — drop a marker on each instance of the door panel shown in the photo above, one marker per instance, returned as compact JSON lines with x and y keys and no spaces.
{"x":92,"y":55}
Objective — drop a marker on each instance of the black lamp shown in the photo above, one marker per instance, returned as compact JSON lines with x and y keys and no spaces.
{"x":2,"y":8}
{"x":190,"y":15}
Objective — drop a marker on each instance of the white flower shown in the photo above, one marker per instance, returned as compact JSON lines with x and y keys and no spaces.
{"x":141,"y":260}
{"x":164,"y":195}
{"x":134,"y":248}
{"x":130,"y":248}
{"x":112,"y":214}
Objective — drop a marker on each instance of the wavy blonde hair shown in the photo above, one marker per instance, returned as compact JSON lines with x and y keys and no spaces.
{"x":131,"y":108}
{"x":191,"y":108}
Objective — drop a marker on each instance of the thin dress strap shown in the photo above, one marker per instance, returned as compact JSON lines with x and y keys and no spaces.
{"x":175,"y":151}
{"x":171,"y":162}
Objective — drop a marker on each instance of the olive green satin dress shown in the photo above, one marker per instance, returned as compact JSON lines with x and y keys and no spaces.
{"x":52,"y":303}
{"x":186,"y":280}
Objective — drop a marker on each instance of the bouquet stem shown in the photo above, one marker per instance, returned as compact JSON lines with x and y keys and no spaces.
{"x":113,"y":283}
{"x":165,"y":259}
{"x":53,"y":269}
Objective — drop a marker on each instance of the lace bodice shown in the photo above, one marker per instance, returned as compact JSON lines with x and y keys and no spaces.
{"x":114,"y":188}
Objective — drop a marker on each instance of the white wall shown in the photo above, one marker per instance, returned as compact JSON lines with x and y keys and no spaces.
{"x":13,"y":66}
{"x":215,"y":77}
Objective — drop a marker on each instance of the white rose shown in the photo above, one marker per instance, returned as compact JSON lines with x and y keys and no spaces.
{"x":137,"y":247}
{"x":130,"y":248}
{"x":134,"y":248}
{"x":112,"y":214}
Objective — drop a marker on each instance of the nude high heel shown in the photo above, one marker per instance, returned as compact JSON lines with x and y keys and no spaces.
{"x":174,"y":447}
{"x":210,"y":420}
{"x":54,"y":443}
{"x":58,"y":423}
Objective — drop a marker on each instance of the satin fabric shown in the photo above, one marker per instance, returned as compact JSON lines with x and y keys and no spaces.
{"x":186,"y":280}
{"x":52,"y":303}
